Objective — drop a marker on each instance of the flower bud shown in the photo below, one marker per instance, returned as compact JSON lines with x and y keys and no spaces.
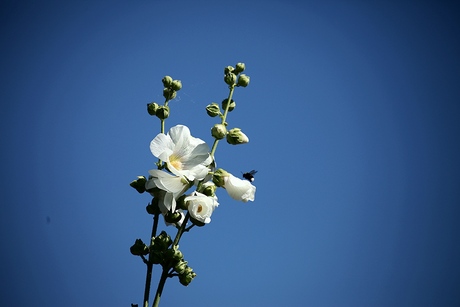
{"x":176,"y":85}
{"x":153,"y":207}
{"x":186,"y":279}
{"x":139,"y":184}
{"x":219,"y":131}
{"x":213,"y":109}
{"x":197,"y":222}
{"x":230,"y":78}
{"x":180,"y":266}
{"x":236,"y":137}
{"x":230,"y":107}
{"x":174,"y":254}
{"x":152,"y":108}
{"x":228,"y":69}
{"x":218,"y":177}
{"x":239,"y":68}
{"x":162,"y":112}
{"x":208,"y":189}
{"x":156,"y":257}
{"x":180,"y":203}
{"x":162,"y":241}
{"x":243,"y":80}
{"x":169,"y":93}
{"x":177,"y":254}
{"x":139,"y":248}
{"x":172,"y":217}
{"x":167,"y":80}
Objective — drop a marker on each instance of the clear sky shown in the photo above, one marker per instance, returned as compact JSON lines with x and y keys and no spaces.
{"x":353,"y":118}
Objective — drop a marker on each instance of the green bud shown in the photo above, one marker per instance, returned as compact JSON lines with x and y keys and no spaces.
{"x":186,"y":279}
{"x":152,"y":108}
{"x":243,"y":80}
{"x":239,"y":68}
{"x":139,"y":184}
{"x":213,"y":109}
{"x":173,"y":217}
{"x":139,"y":248}
{"x":230,"y":107}
{"x":169,"y":93}
{"x":167,"y":80}
{"x":236,"y":137}
{"x":176,"y":85}
{"x":218,"y":177}
{"x":180,"y":203}
{"x":153,"y":207}
{"x":180,"y":266}
{"x":228,"y":69}
{"x":162,"y":112}
{"x":230,"y":78}
{"x":177,"y":256}
{"x":208,"y":189}
{"x":162,"y":241}
{"x":174,"y":254}
{"x":196,"y":222}
{"x":156,"y":257}
{"x":219,"y":131}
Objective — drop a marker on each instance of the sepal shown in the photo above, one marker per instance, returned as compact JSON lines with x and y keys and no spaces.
{"x":139,"y":184}
{"x":139,"y":248}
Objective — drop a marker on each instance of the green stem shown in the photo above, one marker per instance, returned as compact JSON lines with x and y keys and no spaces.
{"x":161,"y":284}
{"x":148,"y":277}
{"x":164,"y":274}
{"x":181,"y":229}
{"x":224,"y":117}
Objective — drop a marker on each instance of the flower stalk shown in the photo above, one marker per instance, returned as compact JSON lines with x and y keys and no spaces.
{"x":224,"y":118}
{"x":184,"y":162}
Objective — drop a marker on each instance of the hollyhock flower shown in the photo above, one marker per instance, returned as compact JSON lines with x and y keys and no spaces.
{"x":167,"y":182}
{"x":183,"y":154}
{"x":166,"y":200}
{"x":239,"y":189}
{"x":201,"y":206}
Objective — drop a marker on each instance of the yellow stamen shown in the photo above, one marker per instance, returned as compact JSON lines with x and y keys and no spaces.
{"x":175,"y":162}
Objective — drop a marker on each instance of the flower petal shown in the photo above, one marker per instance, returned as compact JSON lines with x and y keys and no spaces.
{"x":168,"y":182}
{"x":200,"y":207}
{"x":162,"y":146}
{"x":239,"y":189}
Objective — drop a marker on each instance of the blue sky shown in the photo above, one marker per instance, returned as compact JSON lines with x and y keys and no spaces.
{"x":353,"y":118}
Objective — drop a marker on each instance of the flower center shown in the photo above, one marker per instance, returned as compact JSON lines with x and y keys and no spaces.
{"x":199,"y":209}
{"x":175,"y":162}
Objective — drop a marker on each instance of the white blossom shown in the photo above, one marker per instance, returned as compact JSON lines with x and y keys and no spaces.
{"x":239,"y":189}
{"x":183,"y":154}
{"x":201,"y":206}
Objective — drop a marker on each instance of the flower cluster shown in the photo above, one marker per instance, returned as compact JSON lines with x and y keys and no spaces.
{"x":184,"y":162}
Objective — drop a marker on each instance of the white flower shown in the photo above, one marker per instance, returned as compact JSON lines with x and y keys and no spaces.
{"x":167,"y":182}
{"x":201,"y":206}
{"x":184,"y":155}
{"x":166,"y":200}
{"x":239,"y":189}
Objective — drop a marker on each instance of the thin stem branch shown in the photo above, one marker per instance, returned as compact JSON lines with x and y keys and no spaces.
{"x":161,"y":284}
{"x":181,"y":229}
{"x":165,"y":274}
{"x":148,"y":276}
{"x":224,"y":117}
